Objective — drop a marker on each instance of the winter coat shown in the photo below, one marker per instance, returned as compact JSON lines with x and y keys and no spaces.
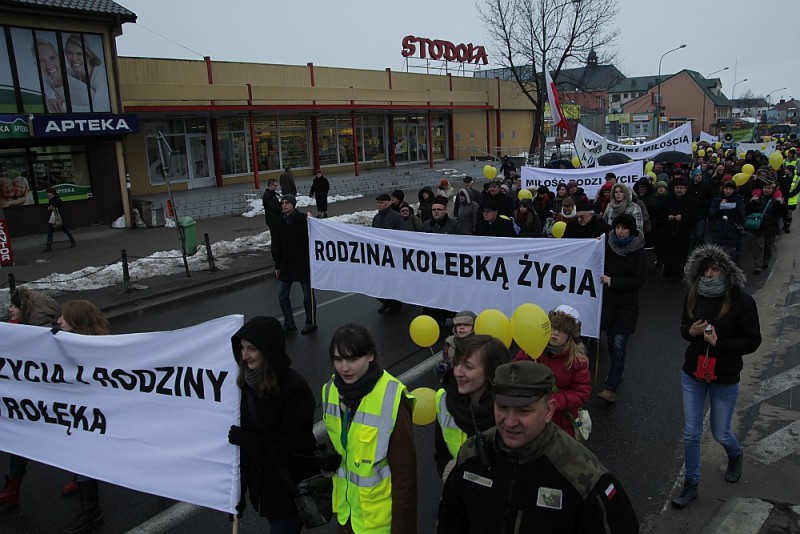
{"x":678,"y":231}
{"x":543,"y":207}
{"x":726,"y":217}
{"x":272,"y":207}
{"x":288,"y":186}
{"x":425,"y":204}
{"x":627,"y":268}
{"x":505,"y":204}
{"x":574,"y":386}
{"x":279,"y":428}
{"x":320,"y":187}
{"x":37,"y":309}
{"x":594,"y":228}
{"x":445,"y":225}
{"x":500,"y":227}
{"x":738,"y":331}
{"x":466,"y":212}
{"x":290,"y":248}
{"x":413,"y":223}
{"x":630,"y":207}
{"x":703,"y":194}
{"x":770,"y":222}
{"x":389,"y":220}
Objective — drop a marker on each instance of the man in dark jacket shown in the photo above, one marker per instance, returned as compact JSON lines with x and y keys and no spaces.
{"x":585,"y":225}
{"x":288,"y":187}
{"x":700,"y":190}
{"x":272,"y":211}
{"x":292,"y":264}
{"x":681,"y":213}
{"x":388,"y":219}
{"x":492,"y":224}
{"x":527,"y":475}
{"x":440,"y":223}
{"x":503,"y":202}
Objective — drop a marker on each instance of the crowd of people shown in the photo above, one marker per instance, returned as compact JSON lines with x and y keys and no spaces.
{"x":506,"y":426}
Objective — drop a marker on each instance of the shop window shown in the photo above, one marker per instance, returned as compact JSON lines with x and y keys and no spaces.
{"x":294,"y":142}
{"x":267,"y":144}
{"x":25,"y":175}
{"x":345,"y":139}
{"x":173,"y":148}
{"x":372,"y":140}
{"x":439,"y":140}
{"x":326,"y":133}
{"x":8,"y":100}
{"x":234,"y":150}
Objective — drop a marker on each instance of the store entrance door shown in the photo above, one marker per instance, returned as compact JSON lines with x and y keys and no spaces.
{"x":200,"y":174}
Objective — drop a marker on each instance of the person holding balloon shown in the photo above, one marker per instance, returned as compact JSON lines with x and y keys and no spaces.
{"x":368,"y":416}
{"x":527,"y":220}
{"x":464,"y":403}
{"x":565,"y":355}
{"x":624,"y":274}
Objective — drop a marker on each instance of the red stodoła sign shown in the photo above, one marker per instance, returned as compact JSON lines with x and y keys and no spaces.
{"x":438,"y":49}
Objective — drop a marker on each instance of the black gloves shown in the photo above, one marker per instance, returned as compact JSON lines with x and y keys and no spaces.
{"x":249,"y":442}
{"x":326,"y":459}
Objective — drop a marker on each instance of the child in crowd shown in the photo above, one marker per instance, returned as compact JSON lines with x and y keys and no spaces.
{"x":463,"y":326}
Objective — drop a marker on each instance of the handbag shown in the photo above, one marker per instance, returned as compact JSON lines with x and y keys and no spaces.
{"x":55,"y":218}
{"x":753,"y":221}
{"x":313,"y":498}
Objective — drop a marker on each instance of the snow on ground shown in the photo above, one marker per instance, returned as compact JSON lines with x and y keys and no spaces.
{"x":170,"y":261}
{"x":256,"y":206}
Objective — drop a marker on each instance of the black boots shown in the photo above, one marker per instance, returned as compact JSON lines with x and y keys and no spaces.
{"x":91,"y":516}
{"x":734,"y":471}
{"x":688,"y":494}
{"x":9,"y":498}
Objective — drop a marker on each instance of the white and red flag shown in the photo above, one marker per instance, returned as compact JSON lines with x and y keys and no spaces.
{"x":555,"y":105}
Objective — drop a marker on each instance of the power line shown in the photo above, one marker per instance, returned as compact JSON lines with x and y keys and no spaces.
{"x":170,"y":40}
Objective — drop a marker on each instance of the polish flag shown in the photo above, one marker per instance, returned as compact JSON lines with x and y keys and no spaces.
{"x":555,"y":105}
{"x":610,"y":492}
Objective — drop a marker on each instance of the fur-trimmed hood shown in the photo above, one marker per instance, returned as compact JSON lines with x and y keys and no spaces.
{"x":625,"y":189}
{"x":734,"y":276}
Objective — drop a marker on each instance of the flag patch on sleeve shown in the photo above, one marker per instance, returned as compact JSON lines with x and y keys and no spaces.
{"x":610,"y":491}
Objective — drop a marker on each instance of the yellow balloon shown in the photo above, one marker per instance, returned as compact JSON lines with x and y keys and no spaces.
{"x":740,"y":179}
{"x":748,"y":169}
{"x":742,"y":155}
{"x":701,"y":152}
{"x":576,"y":162}
{"x":558,"y":229}
{"x":717,"y":145}
{"x":489,"y":172}
{"x":424,"y":406}
{"x":653,"y":177}
{"x":775,"y":160}
{"x":785,"y":152}
{"x":525,"y":193}
{"x":763,"y":147}
{"x":767,"y":138}
{"x":494,"y":323}
{"x":649,"y":166}
{"x":424,"y":330}
{"x":530,"y":327}
{"x":694,"y":147}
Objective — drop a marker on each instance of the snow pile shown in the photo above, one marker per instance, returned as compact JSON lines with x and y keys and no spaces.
{"x":256,"y":206}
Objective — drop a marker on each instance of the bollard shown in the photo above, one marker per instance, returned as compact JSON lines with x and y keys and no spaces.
{"x":126,"y":275}
{"x":12,"y":283}
{"x":210,"y":256}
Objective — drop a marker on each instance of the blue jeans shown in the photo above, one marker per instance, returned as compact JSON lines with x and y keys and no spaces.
{"x":285,"y":525}
{"x":309,"y":302}
{"x":616,"y":350}
{"x":723,"y":401}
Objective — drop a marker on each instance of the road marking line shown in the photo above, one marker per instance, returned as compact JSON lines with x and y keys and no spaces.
{"x":182,"y":511}
{"x":777,"y":445}
{"x":776,"y":384}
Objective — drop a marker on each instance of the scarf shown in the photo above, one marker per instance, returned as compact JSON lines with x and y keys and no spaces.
{"x":618,"y":207}
{"x":351,"y":394}
{"x":711,"y":287}
{"x":571,"y":215}
{"x":621,"y":243}
{"x":251,"y":377}
{"x":553,"y":349}
{"x":465,"y":415}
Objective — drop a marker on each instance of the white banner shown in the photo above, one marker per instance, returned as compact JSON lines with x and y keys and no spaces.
{"x":459,"y":272}
{"x":149,"y":411}
{"x":590,"y":146}
{"x":708,"y":138}
{"x":764,"y":148}
{"x":590,"y":179}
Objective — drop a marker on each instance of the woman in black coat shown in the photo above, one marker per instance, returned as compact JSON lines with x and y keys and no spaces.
{"x":319,"y":190}
{"x":771,"y":203}
{"x":726,"y":217}
{"x":56,"y":205}
{"x":624,"y":274}
{"x":276,"y":437}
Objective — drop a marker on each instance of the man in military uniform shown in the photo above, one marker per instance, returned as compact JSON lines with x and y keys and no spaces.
{"x":528,"y":475}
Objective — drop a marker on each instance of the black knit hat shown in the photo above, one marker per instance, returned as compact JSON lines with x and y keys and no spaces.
{"x":398,"y":194}
{"x":626,"y":220}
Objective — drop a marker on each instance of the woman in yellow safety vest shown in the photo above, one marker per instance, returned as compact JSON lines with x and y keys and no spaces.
{"x":464,"y":405}
{"x":367,"y":413}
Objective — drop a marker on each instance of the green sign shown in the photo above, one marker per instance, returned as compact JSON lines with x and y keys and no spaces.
{"x":14,"y":127}
{"x":67,"y":192}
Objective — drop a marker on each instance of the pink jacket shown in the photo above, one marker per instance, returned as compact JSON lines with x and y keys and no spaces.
{"x":574,"y":387}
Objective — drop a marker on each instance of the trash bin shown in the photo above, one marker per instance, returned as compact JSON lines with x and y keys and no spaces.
{"x":144,"y":207}
{"x":188,"y":225}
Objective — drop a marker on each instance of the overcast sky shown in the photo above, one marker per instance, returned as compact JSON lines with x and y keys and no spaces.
{"x":757,"y":43}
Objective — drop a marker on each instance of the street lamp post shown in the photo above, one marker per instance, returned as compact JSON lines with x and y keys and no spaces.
{"x":705,"y":86}
{"x":775,"y":91}
{"x":733,"y":91}
{"x":658,"y":104}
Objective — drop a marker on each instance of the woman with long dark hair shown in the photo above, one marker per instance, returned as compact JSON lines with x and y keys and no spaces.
{"x":464,"y":404}
{"x":367,"y":414}
{"x":720,"y":322}
{"x":276,"y":431}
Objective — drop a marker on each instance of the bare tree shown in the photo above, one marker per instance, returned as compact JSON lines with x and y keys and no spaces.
{"x":532,"y":35}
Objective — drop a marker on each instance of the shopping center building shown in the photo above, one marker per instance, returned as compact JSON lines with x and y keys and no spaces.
{"x":122,"y":127}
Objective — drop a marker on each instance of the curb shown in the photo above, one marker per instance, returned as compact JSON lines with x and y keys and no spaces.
{"x":739,"y":516}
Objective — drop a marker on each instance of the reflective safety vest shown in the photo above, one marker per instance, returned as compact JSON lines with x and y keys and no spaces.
{"x":453,"y":436}
{"x":362,"y":486}
{"x":795,"y":180}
